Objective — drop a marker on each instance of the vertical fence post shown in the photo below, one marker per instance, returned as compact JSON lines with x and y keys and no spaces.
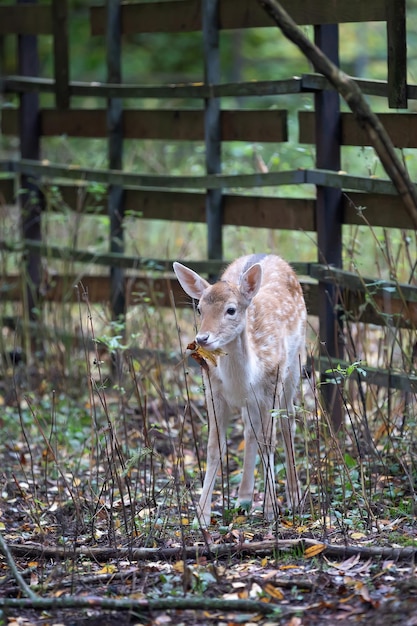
{"x":212,"y":128}
{"x":115,"y":156}
{"x":31,"y":199}
{"x":329,"y":217}
{"x":397,"y":54}
{"x":61,"y":60}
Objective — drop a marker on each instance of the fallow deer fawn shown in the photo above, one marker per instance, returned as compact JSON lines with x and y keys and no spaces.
{"x":256,"y":314}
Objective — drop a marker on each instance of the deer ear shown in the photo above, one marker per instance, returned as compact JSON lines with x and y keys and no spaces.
{"x":190,"y":281}
{"x":250,"y":281}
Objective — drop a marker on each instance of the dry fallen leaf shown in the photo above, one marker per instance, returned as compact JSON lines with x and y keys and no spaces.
{"x":201,"y":355}
{"x":314,"y":550}
{"x":109,"y":568}
{"x":273,"y":591}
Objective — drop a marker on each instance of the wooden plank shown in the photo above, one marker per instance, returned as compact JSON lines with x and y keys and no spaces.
{"x":372,"y":375}
{"x":403,"y":292}
{"x":397,"y":54}
{"x":64,"y":289}
{"x":171,"y":125}
{"x":401,"y":127}
{"x":61,"y":56}
{"x":185,"y":15}
{"x":252,"y":211}
{"x":248,"y":210}
{"x":33,"y":19}
{"x":375,"y":210}
{"x":381,"y":310}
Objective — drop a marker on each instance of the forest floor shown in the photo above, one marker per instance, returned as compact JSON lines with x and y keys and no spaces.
{"x":93,"y":533}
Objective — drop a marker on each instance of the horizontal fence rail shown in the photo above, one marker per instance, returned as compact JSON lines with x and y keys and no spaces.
{"x":327,"y":178}
{"x":307,"y":83}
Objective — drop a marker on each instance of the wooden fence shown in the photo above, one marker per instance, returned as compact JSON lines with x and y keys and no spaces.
{"x":205,"y":198}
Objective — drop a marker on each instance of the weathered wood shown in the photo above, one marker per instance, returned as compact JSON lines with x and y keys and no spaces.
{"x":372,"y":286}
{"x":329,"y":217}
{"x":375,"y":210}
{"x":212,"y":127}
{"x":402,"y":129}
{"x":29,"y":20}
{"x":371,"y":375}
{"x":61,"y":57}
{"x":305,"y":83}
{"x":397,"y":53}
{"x":191,"y":91}
{"x":134,"y":262}
{"x":248,"y":210}
{"x":355,"y":100}
{"x":252,"y":211}
{"x":30,"y":197}
{"x":186,"y":125}
{"x":7,"y":190}
{"x":271,"y":179}
{"x":379,"y":309}
{"x":262,"y":126}
{"x":185,"y":15}
{"x":114,"y":132}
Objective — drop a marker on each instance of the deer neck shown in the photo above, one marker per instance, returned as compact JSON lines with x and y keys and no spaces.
{"x":238,"y":368}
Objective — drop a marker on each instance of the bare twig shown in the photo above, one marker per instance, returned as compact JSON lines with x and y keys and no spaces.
{"x":354,"y":98}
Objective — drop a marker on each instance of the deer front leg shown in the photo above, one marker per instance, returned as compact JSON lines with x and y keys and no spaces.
{"x":250,"y":433}
{"x":259,"y":438}
{"x":216,"y":448}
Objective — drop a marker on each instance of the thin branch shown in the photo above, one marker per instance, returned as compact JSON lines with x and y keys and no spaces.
{"x":354,"y":98}
{"x":145,"y":606}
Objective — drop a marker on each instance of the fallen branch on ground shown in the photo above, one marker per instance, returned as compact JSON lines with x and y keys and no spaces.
{"x":145,"y":606}
{"x":260,"y":548}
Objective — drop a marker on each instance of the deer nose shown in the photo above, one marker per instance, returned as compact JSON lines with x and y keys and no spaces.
{"x":202,"y":339}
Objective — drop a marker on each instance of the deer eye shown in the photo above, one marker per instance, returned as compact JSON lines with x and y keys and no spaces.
{"x":231,"y":310}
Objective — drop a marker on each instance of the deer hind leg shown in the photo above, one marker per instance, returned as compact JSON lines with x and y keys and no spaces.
{"x":292,"y":483}
{"x":287,"y":424}
{"x":216,"y":448}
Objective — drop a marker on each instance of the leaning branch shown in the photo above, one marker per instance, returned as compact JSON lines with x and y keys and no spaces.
{"x":354,"y":98}
{"x":24,"y":587}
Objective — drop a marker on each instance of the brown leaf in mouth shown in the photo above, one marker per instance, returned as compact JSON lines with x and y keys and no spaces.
{"x":201,"y":355}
